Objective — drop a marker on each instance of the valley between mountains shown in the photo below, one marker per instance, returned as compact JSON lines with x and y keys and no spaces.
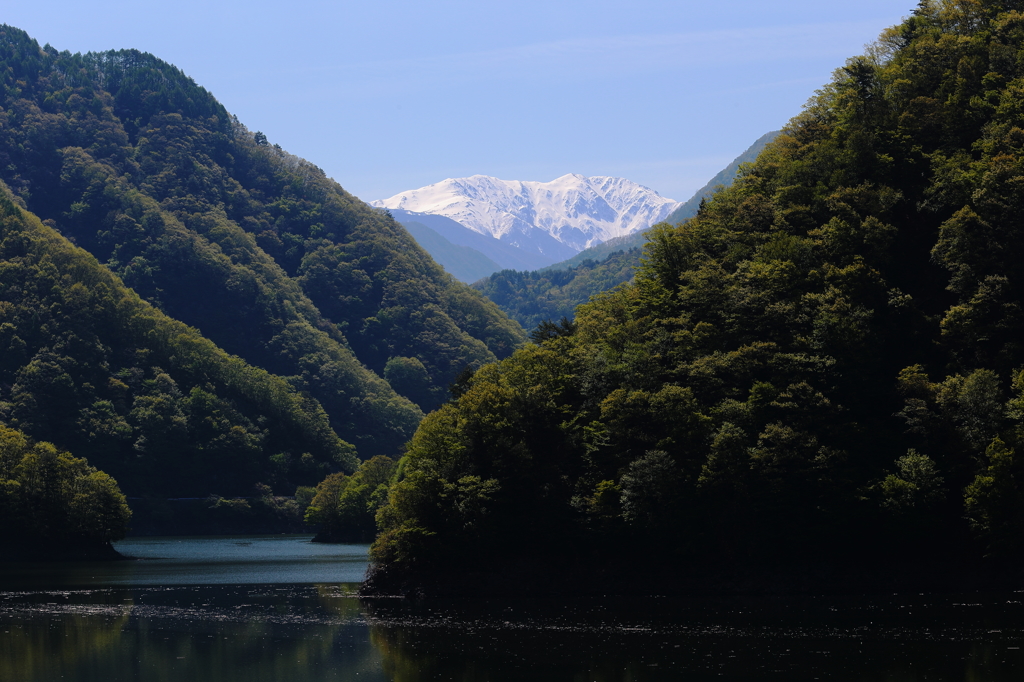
{"x":808,"y":376}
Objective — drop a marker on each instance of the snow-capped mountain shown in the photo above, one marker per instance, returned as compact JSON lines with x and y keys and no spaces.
{"x":558,"y":218}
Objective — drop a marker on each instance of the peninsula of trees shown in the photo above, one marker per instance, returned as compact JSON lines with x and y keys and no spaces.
{"x":54,"y":504}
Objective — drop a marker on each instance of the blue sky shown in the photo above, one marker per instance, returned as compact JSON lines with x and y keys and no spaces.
{"x":389,"y":95}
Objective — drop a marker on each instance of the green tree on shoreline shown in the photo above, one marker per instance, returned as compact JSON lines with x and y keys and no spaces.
{"x":53,"y":501}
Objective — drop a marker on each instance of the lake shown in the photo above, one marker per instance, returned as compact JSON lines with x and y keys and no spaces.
{"x":282,"y":608}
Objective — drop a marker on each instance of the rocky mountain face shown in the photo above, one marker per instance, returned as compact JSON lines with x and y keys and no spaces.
{"x":557,"y":219}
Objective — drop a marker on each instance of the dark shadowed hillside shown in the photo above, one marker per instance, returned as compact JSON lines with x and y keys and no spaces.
{"x":88,"y":365}
{"x":814,"y":382}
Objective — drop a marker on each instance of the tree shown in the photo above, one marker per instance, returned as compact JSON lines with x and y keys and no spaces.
{"x":50,"y":498}
{"x":345,"y":507}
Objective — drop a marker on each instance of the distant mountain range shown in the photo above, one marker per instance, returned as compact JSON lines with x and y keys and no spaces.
{"x":456,"y":221}
{"x":556,"y":219}
{"x":466,"y":264}
{"x":466,"y":254}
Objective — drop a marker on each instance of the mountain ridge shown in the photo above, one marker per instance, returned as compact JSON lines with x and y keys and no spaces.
{"x":683,"y":211}
{"x":558,"y":218}
{"x":257,"y":249}
{"x":553,"y":292}
{"x":506,"y":255}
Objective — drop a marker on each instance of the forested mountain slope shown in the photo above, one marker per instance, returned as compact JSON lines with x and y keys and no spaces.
{"x":89,"y":366}
{"x":530,"y":298}
{"x":821,"y":371}
{"x":267,"y":257}
{"x":723,"y":178}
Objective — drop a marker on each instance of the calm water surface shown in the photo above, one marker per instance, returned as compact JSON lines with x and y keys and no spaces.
{"x":247,"y":560}
{"x":282,"y":608}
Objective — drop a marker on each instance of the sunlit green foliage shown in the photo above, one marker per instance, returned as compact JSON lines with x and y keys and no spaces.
{"x":50,"y":499}
{"x":344,"y":507}
{"x":853,"y":301}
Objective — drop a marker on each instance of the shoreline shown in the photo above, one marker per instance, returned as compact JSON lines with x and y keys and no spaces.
{"x":68,"y":553}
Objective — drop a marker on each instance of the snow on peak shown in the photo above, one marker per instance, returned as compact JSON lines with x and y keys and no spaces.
{"x":558,"y":218}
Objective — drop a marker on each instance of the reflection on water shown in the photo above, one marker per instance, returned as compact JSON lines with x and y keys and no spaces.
{"x":199,"y":634}
{"x":187,"y":621}
{"x":899,"y":639}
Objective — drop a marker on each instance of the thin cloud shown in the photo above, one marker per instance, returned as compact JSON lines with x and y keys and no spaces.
{"x":603,"y":58}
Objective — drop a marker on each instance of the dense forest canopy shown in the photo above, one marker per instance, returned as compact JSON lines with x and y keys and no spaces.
{"x":824,"y":365}
{"x":532,"y":297}
{"x":344,"y":508}
{"x":85,"y":363}
{"x":219,"y":228}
